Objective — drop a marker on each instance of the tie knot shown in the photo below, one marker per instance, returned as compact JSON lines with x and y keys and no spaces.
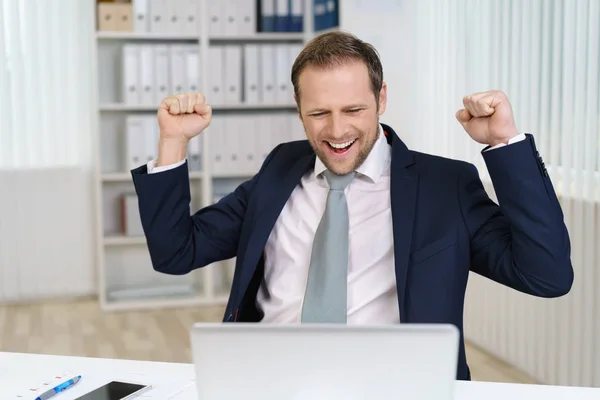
{"x":338,"y":182}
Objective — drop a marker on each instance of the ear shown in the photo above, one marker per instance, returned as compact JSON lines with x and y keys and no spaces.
{"x":382,"y":98}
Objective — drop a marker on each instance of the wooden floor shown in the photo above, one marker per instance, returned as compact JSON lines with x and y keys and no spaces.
{"x":81,"y":329}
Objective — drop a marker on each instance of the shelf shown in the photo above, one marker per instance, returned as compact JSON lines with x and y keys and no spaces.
{"x":126,"y":176}
{"x":256,"y":37}
{"x":105,"y":35}
{"x":261,"y":37}
{"x":223,"y":107}
{"x":235,"y":175}
{"x":117,"y":240}
{"x":157,"y":303}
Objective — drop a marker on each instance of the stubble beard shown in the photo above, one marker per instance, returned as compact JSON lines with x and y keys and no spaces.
{"x":357,"y":162}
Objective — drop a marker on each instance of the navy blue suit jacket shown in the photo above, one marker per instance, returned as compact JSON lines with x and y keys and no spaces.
{"x":444,"y":226}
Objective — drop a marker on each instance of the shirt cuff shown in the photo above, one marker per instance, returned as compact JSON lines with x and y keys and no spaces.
{"x":512,"y":140}
{"x":153,"y":169}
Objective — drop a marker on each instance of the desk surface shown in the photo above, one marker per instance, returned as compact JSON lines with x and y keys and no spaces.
{"x":176,"y":381}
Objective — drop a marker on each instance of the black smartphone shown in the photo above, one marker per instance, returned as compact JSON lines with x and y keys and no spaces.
{"x":116,"y":390}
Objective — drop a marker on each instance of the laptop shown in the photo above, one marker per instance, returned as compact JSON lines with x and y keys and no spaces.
{"x":320,"y":361}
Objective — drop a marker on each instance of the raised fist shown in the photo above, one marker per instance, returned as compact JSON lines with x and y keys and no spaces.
{"x":183,"y":116}
{"x":488,"y":117}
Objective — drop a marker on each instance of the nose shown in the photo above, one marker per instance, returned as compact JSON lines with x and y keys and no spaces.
{"x":337,"y":127}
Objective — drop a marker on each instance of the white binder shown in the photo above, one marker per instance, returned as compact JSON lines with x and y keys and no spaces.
{"x":233,"y":74}
{"x":246,"y":17}
{"x":162,"y":83}
{"x":231,"y":22}
{"x":131,"y":85}
{"x":159,"y":10}
{"x":135,"y":144}
{"x":192,"y":66}
{"x":283,"y":66}
{"x":268,"y":77}
{"x":177,"y":68}
{"x":141,"y":16}
{"x":252,"y":82}
{"x":147,"y":75}
{"x":217,"y":143}
{"x":191,"y":23}
{"x":214,"y":93}
{"x":216,"y":14}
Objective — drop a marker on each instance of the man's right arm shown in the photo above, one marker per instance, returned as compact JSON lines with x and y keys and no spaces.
{"x":177,"y":241}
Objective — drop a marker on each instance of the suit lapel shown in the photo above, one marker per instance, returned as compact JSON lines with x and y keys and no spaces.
{"x":403,"y":192}
{"x":283,"y":186}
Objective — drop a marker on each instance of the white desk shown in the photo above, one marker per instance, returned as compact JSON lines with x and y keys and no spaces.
{"x":176,"y":381}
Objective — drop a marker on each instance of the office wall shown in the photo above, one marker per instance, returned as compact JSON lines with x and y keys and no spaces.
{"x":46,"y":149}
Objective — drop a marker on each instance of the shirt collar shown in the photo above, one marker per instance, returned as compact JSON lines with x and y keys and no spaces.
{"x":376,"y":162}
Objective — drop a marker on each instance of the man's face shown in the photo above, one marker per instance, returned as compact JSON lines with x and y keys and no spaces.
{"x":340,"y":115}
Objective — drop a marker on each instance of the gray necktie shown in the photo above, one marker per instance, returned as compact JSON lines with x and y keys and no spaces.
{"x":326,"y":291}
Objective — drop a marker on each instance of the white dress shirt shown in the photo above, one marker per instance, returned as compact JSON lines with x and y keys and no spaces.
{"x":372,"y":294}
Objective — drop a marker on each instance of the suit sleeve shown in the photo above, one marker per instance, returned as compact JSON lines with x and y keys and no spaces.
{"x":523,"y":242}
{"x":177,"y":241}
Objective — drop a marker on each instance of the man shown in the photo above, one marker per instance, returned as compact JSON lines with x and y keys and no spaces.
{"x":394,"y":239}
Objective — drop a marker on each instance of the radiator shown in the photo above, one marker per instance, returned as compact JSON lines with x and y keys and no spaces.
{"x":46,"y":234}
{"x":555,"y":341}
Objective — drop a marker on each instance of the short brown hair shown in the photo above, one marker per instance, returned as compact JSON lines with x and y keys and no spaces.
{"x":333,"y":49}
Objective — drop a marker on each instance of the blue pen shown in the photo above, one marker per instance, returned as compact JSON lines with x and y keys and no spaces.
{"x":58,"y":389}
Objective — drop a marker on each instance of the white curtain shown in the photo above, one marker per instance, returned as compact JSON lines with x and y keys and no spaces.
{"x":47,"y":119}
{"x":545,"y":55}
{"x":46,"y":83}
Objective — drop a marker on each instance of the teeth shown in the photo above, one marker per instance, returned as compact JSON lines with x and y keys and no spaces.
{"x":341,"y":145}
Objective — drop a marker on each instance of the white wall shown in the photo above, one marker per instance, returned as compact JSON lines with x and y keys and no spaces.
{"x":47,"y":117}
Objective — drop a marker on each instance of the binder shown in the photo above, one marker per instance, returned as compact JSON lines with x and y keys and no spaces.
{"x":177,"y":68}
{"x":331,"y":14}
{"x":229,"y":10}
{"x":190,"y":14}
{"x":320,"y":9}
{"x":214,"y":93}
{"x":162,"y":83}
{"x":296,"y":15}
{"x":135,"y":145}
{"x":246,"y":15}
{"x":282,"y":16}
{"x":217,"y":137}
{"x":195,"y":153}
{"x":267,"y":15}
{"x":268,"y":78}
{"x":174,"y":16}
{"x":233,"y":74}
{"x":141,"y":16}
{"x":283,"y":66}
{"x":192,"y":67}
{"x":233,"y":129}
{"x":130,"y":67}
{"x":252,"y":82}
{"x":159,"y":10}
{"x":150,"y":134}
{"x":248,"y":146}
{"x":216,"y":13}
{"x":147,"y":74}
{"x":131,"y":224}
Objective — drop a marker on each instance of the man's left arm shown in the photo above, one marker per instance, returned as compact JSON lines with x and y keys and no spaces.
{"x":523,"y":243}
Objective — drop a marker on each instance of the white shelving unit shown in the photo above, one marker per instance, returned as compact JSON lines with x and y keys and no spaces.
{"x":126,"y":278}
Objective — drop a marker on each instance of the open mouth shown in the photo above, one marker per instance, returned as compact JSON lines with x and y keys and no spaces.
{"x":341,"y":148}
